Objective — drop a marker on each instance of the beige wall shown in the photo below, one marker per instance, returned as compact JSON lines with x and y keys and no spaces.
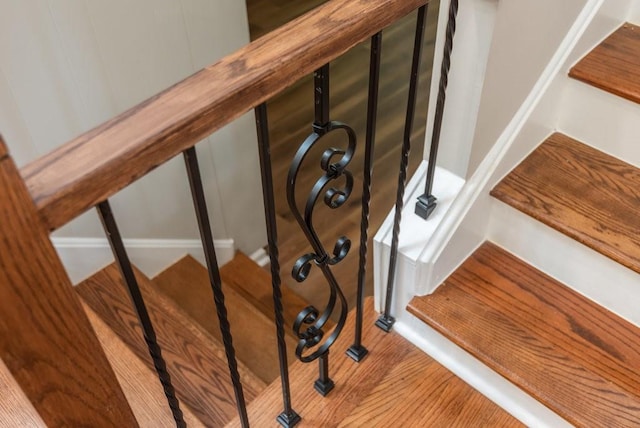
{"x":68,"y":65}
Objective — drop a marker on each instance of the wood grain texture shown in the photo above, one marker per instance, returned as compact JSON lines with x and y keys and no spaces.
{"x":379,"y":390}
{"x":3,"y":148}
{"x":101,"y":162}
{"x":569,"y":353}
{"x":253,"y":283}
{"x":46,"y":340}
{"x":15,"y":408}
{"x":592,"y":197}
{"x":614,"y":65}
{"x":254,"y":335}
{"x":138,"y":381}
{"x":195,"y":360}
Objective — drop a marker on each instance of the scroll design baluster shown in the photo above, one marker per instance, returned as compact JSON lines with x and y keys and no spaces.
{"x":313,"y":343}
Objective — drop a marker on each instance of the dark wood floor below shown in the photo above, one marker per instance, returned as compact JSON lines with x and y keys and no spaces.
{"x":291,"y":115}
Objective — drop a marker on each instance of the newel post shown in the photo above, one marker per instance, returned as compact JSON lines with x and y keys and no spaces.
{"x":46,"y":340}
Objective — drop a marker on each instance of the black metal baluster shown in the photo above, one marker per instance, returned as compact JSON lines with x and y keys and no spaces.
{"x":197,"y":192}
{"x":288,"y":417}
{"x":385,"y":321}
{"x":427,"y":202}
{"x":357,"y":351}
{"x":309,"y":324}
{"x":324,"y":384}
{"x":126,"y":270}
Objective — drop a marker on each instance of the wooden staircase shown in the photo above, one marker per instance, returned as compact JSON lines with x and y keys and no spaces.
{"x":565,"y":350}
{"x":417,"y":391}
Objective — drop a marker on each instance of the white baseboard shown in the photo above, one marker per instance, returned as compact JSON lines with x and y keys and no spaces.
{"x":260,"y":257}
{"x":84,"y":256}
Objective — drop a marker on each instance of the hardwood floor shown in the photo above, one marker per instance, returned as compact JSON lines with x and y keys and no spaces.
{"x":397,"y":385}
{"x":290,"y":118}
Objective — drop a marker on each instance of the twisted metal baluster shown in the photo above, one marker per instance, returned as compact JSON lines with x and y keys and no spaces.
{"x":427,"y":202}
{"x":200,"y":205}
{"x":126,"y":270}
{"x":357,"y":351}
{"x":385,"y":321}
{"x":288,"y":417}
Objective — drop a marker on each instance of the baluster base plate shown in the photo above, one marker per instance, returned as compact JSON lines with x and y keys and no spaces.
{"x":357,"y":353}
{"x":324,"y":387}
{"x":288,"y":420}
{"x":385,"y":323}
{"x":425,"y":205}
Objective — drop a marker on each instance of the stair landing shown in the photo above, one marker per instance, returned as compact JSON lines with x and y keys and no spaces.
{"x":395,"y":385}
{"x":569,"y":353}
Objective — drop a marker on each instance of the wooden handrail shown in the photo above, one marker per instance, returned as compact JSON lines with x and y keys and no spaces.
{"x":99,"y":163}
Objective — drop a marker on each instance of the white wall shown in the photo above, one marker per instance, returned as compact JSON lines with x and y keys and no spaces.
{"x":635,"y":13}
{"x":68,"y":65}
{"x":526,"y":35}
{"x":472,"y":40}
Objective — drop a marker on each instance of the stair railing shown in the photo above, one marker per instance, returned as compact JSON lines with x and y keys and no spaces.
{"x":88,"y":170}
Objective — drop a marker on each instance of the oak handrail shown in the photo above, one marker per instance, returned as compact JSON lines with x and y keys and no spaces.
{"x":94,"y":166}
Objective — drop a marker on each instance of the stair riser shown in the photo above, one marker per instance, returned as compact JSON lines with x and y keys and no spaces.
{"x":604,"y":121}
{"x":586,"y":271}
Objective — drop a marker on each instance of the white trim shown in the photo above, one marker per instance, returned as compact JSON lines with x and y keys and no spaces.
{"x":260,"y":257}
{"x":84,"y":256}
{"x":479,"y":182}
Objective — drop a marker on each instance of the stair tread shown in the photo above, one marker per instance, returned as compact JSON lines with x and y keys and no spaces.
{"x":588,"y":195}
{"x":137,"y":380}
{"x":15,"y":408}
{"x":374,"y":392}
{"x":571,"y":354}
{"x":614,"y":65}
{"x":195,"y":360}
{"x":254,"y":284}
{"x":254,"y":334}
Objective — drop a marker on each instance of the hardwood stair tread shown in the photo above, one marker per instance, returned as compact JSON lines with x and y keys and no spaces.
{"x":137,"y":380}
{"x":254,"y":284}
{"x":569,"y":353}
{"x":614,"y":65}
{"x":186,"y":282}
{"x":588,"y":195}
{"x":15,"y":408}
{"x":375,"y":392}
{"x":195,"y":360}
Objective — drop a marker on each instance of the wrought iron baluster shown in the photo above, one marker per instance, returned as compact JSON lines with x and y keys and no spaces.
{"x":126,"y":270}
{"x":313,"y":345}
{"x":427,"y":202}
{"x":385,"y":321}
{"x":200,"y":205}
{"x":288,"y":417}
{"x":357,"y":351}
